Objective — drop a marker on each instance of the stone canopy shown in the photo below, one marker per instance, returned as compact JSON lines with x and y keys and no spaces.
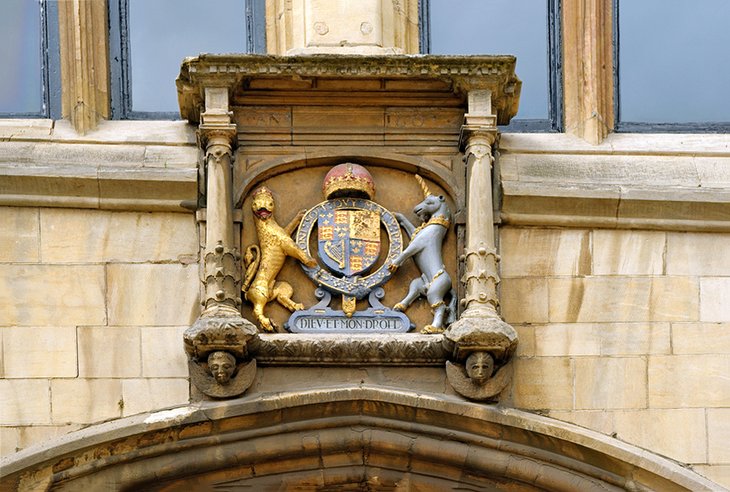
{"x":379,"y":74}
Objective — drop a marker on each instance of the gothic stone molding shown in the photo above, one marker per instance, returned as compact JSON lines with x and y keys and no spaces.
{"x":288,"y":436}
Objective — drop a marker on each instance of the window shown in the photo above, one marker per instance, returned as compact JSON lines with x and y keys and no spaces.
{"x":673,"y":61}
{"x":525,"y":28}
{"x":149,"y":39}
{"x":31,"y":82}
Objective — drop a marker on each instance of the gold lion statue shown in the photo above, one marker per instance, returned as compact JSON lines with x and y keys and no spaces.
{"x":263,"y":263}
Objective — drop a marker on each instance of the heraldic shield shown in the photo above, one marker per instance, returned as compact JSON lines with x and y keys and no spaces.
{"x":349,"y":239}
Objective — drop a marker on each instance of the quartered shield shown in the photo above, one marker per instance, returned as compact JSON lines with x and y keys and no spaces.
{"x":349,"y":239}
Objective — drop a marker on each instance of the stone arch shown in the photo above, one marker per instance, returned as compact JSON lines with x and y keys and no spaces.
{"x":435,"y":168}
{"x":352,"y":438}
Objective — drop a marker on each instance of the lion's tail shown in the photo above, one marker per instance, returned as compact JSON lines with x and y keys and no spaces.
{"x":251,"y":262}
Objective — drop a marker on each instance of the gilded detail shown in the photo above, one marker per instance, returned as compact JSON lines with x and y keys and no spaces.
{"x":264,"y":262}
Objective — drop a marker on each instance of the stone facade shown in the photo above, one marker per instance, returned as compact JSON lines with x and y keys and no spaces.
{"x":615,"y":271}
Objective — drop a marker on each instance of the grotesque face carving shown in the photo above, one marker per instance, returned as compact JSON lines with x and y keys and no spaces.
{"x":221,"y":365}
{"x":479,"y":367}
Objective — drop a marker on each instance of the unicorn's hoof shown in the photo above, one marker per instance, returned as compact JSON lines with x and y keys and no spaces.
{"x":399,"y":307}
{"x":431,"y":330}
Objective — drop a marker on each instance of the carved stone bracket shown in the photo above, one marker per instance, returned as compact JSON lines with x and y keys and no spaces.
{"x":216,"y":344}
{"x":220,"y":337}
{"x":480,"y":343}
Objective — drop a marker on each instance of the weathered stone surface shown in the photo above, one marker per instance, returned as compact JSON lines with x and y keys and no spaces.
{"x":100,"y":236}
{"x":44,"y":295}
{"x":524,"y":300}
{"x":162,"y":353}
{"x":610,"y":382}
{"x":629,"y":181}
{"x":715,"y":299}
{"x":114,"y":131}
{"x":718,"y":435}
{"x":13,"y":439}
{"x":481,"y":334}
{"x":526,"y":336}
{"x":541,"y":252}
{"x":152,"y":295}
{"x":716,"y":473}
{"x":406,"y":424}
{"x":25,"y":401}
{"x":9,"y":442}
{"x":278,"y":378}
{"x":678,"y":433}
{"x":698,"y":254}
{"x":142,"y":395}
{"x":19,"y":235}
{"x":597,"y":420}
{"x":623,"y":299}
{"x":532,"y":390}
{"x":12,"y":128}
{"x":701,"y":338}
{"x":109,"y":352}
{"x":37,"y":352}
{"x":689,"y":381}
{"x":84,"y":401}
{"x":558,"y":339}
{"x":628,"y":252}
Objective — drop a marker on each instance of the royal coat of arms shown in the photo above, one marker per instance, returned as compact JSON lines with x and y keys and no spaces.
{"x":350,"y":246}
{"x":348,"y":232}
{"x":349,"y":240}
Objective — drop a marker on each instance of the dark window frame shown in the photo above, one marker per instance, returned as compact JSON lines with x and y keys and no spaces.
{"x":640,"y":127}
{"x":50,"y":66}
{"x":554,"y":123}
{"x":120,"y":58}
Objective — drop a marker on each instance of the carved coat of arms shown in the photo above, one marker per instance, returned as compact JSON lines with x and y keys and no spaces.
{"x":358,"y":248}
{"x":349,"y":239}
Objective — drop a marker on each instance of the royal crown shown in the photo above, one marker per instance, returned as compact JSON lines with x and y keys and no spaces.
{"x":350,"y":180}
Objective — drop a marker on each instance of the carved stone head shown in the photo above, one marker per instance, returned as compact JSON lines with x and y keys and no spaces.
{"x":221,"y":365}
{"x":480,"y":366}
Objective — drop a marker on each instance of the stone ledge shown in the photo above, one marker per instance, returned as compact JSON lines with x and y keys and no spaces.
{"x":115,"y":131}
{"x":405,"y":349}
{"x":123,"y":165}
{"x":661,"y":182}
{"x":99,"y":187}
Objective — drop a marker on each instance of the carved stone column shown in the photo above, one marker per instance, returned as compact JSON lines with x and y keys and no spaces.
{"x":217,"y":343}
{"x":480,"y":331}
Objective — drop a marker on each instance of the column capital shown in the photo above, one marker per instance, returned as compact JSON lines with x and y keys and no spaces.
{"x":478,"y":134}
{"x":217,"y":138}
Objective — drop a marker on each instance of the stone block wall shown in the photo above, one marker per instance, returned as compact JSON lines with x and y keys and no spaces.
{"x":91,"y":317}
{"x":626,"y":332}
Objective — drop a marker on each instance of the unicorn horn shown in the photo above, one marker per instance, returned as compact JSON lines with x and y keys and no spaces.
{"x":424,"y":188}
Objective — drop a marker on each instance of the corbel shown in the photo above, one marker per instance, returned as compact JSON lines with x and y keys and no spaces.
{"x":217,"y":344}
{"x":480,"y":342}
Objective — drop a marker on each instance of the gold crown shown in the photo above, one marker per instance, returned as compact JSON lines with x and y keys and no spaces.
{"x":348,"y":180}
{"x":262,"y":190}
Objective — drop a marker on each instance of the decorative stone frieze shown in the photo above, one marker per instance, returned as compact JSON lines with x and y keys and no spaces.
{"x":407,"y":349}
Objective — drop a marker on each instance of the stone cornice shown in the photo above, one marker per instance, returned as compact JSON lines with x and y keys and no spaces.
{"x":123,"y":165}
{"x":676,"y":182}
{"x":464,"y":73}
